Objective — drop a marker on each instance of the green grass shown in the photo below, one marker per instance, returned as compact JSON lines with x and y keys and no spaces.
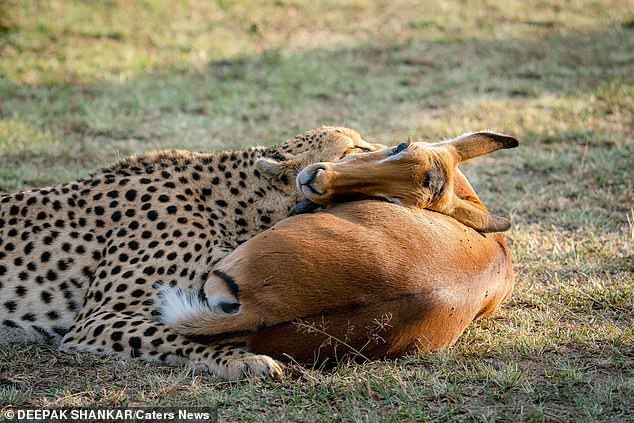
{"x":84,"y":83}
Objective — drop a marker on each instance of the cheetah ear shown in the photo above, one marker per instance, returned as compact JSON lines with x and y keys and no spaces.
{"x":280,"y":173}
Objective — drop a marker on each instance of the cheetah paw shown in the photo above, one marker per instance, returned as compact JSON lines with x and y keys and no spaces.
{"x":250,"y":366}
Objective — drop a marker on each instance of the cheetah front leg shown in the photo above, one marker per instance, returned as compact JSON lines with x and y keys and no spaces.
{"x":130,"y":335}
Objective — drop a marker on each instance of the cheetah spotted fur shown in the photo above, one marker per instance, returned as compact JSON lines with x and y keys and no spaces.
{"x":81,"y":263}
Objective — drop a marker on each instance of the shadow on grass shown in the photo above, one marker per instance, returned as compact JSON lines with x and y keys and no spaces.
{"x":368,"y":86}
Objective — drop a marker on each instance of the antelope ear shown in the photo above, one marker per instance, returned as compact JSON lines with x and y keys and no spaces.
{"x":477,"y":144}
{"x":475,"y":218}
{"x":278,"y":172}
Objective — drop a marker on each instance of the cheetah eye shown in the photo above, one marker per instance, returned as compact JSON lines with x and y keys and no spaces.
{"x":402,"y":146}
{"x":355,"y":149}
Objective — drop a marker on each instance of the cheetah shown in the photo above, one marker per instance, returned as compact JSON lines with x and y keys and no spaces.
{"x":81,"y":263}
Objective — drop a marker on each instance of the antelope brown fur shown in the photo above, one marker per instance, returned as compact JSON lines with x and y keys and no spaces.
{"x":372,"y":278}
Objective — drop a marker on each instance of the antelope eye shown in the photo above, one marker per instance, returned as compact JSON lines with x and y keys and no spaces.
{"x":402,"y":146}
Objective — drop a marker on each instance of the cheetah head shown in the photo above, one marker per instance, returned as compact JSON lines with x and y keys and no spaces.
{"x":283,"y":163}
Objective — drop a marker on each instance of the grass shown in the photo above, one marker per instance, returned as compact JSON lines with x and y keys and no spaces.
{"x":84,"y":83}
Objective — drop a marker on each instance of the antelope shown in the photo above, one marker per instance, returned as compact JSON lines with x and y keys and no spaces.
{"x":369,"y":278}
